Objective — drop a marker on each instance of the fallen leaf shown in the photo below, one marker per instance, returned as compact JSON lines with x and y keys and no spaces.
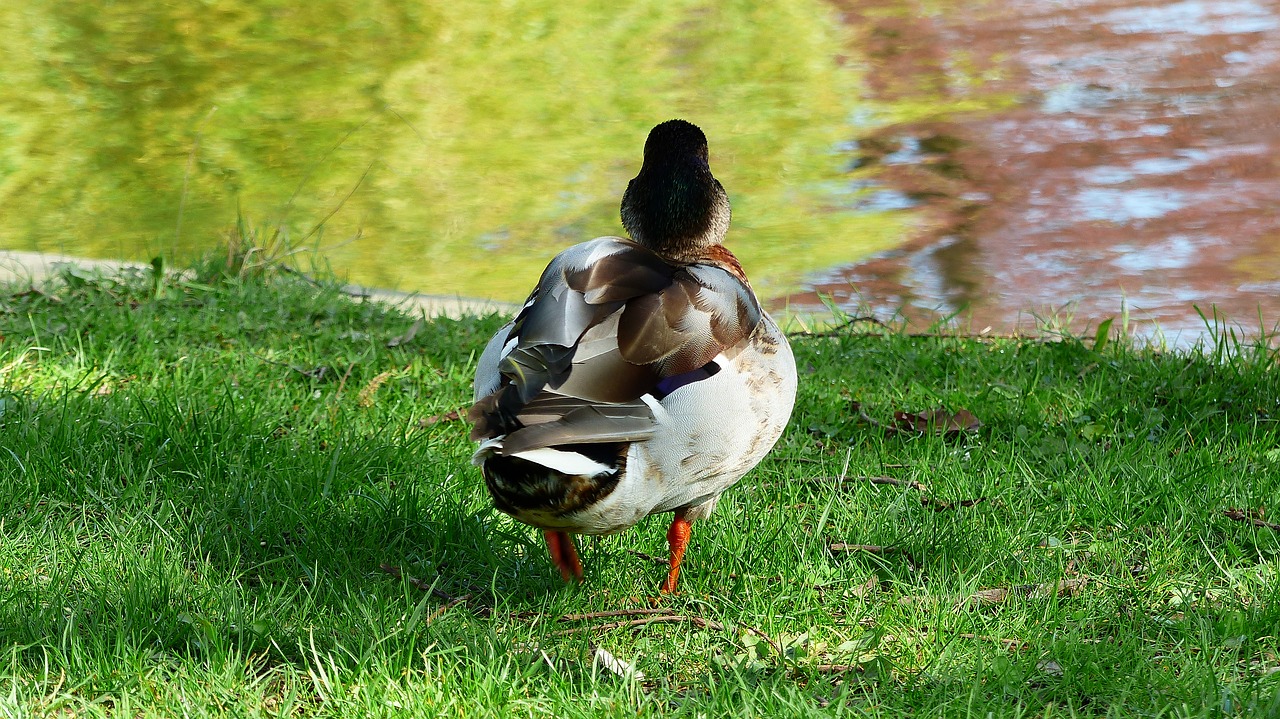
{"x":936,"y":421}
{"x":1048,"y":666}
{"x":450,"y":416}
{"x":866,"y":589}
{"x":1251,"y":516}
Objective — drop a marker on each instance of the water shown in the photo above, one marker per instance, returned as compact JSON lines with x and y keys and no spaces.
{"x":442,"y":147}
{"x":1134,"y":164}
{"x":992,"y":160}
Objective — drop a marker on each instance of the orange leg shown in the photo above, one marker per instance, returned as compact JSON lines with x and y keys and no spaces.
{"x":560,"y":544}
{"x":677,"y":540}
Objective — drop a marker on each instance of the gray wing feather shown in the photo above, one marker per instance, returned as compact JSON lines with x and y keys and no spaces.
{"x":608,"y":320}
{"x":487,"y":378}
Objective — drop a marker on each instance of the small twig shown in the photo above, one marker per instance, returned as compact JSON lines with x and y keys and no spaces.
{"x":869,"y":548}
{"x":838,"y":668}
{"x":315,"y":373}
{"x":343,"y":382}
{"x":422,"y":584}
{"x":937,"y":504}
{"x":617,"y":613}
{"x":836,"y":331}
{"x":940,"y":506}
{"x":662,"y":561}
{"x":894,"y":482}
{"x":856,"y":407}
{"x":1241,"y":515}
{"x":1014,"y":644}
{"x":665,"y":618}
{"x":777,"y":648}
{"x":446,"y":607}
{"x":302,"y":275}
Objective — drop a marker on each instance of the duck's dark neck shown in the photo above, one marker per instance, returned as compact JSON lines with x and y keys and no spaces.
{"x":676,"y":208}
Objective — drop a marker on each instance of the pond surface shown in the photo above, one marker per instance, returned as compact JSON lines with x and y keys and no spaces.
{"x":992,"y":160}
{"x":1136,"y":164}
{"x":433,"y":146}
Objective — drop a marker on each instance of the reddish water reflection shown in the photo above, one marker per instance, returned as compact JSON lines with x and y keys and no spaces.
{"x":1138,"y":164}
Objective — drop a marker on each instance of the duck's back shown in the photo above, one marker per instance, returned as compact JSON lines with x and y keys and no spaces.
{"x":627,"y":385}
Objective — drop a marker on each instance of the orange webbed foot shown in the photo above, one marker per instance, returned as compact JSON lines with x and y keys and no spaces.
{"x":560,"y":545}
{"x":678,"y":540}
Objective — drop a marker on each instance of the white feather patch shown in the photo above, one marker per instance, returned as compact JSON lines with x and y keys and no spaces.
{"x":566,"y":462}
{"x":660,"y":413}
{"x":510,"y":345}
{"x":487,"y":449}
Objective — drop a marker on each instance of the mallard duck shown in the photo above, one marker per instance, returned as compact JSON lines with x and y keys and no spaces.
{"x":641,"y":376}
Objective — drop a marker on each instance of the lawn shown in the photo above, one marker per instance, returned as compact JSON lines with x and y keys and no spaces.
{"x":237,"y":492}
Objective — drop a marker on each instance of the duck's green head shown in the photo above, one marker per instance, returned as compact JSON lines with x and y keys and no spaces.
{"x":675,"y":206}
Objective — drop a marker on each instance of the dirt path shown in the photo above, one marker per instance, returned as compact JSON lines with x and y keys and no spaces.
{"x":34,"y":266}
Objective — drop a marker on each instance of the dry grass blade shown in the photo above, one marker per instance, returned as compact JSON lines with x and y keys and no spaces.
{"x":937,"y":504}
{"x":1250,"y":516}
{"x":941,"y":506}
{"x":661,"y":619}
{"x":876,"y":549}
{"x":422,"y":584}
{"x":1016,"y":645}
{"x":999,"y":595}
{"x":890,"y":481}
{"x":837,"y":668}
{"x":617,"y":613}
{"x":365,"y":398}
{"x":870,"y":548}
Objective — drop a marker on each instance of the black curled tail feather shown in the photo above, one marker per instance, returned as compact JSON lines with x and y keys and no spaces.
{"x":519,"y":486}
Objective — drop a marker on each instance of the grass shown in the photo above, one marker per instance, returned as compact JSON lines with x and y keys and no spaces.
{"x":202,"y":477}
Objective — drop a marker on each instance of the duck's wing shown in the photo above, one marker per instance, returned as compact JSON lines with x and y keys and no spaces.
{"x":609,"y":330}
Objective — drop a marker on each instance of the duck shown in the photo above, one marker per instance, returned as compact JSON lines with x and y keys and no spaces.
{"x":642,"y":376}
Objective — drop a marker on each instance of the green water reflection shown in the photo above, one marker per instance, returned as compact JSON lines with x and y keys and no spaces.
{"x":457,"y":145}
